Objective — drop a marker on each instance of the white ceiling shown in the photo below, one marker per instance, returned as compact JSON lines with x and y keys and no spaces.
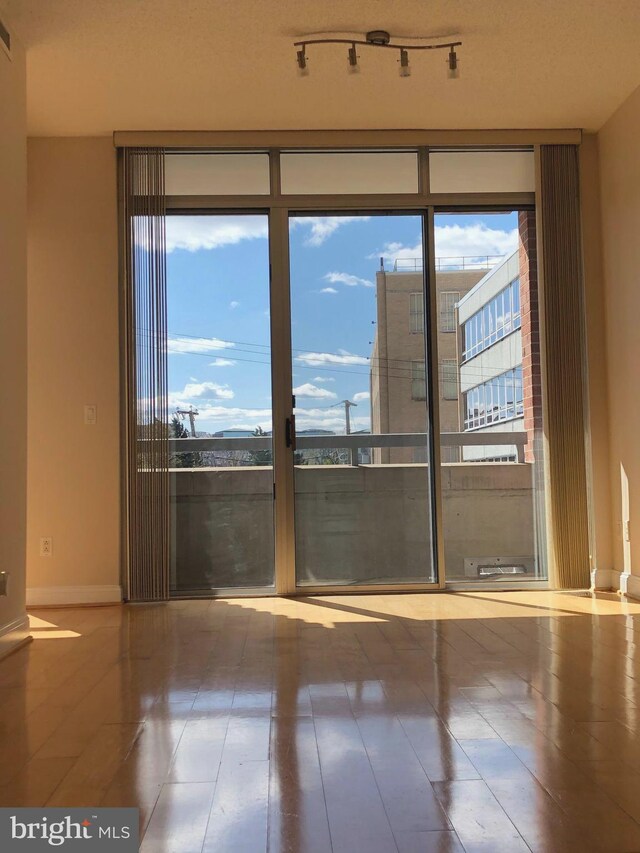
{"x":95,"y":66}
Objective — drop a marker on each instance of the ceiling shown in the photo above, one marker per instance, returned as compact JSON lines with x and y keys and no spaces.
{"x":95,"y":66}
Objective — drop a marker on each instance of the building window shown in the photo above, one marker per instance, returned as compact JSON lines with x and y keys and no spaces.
{"x":448,"y":301}
{"x":449,"y":455}
{"x":494,"y":321}
{"x":416,"y":313}
{"x":420,"y":455}
{"x":449,"y":378}
{"x":499,"y":399}
{"x":418,"y":381}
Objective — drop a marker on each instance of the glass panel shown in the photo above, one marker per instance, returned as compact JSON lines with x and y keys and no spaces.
{"x":217,"y":174}
{"x":493,"y":499}
{"x":221,"y":477}
{"x":515,"y":296}
{"x":361,"y":466}
{"x":506,"y":304}
{"x":481,"y":171}
{"x":358,"y":172}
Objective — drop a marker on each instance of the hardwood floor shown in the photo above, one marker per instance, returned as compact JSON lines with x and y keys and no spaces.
{"x":479,"y":722}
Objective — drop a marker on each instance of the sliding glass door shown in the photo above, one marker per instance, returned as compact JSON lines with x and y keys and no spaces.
{"x":360,"y":426}
{"x":490,"y":397}
{"x":219,"y":355}
{"x":369,"y":325}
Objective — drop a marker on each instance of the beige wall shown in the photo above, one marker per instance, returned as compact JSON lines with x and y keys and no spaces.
{"x":73,"y":472}
{"x":620,"y":209}
{"x":13,"y":343}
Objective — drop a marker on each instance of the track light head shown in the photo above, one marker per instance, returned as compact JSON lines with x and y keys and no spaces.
{"x":354,"y":68}
{"x":301,"y":56}
{"x":454,"y":71}
{"x":405,"y":70}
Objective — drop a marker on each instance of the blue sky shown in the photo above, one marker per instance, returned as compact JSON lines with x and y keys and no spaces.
{"x":218,"y":309}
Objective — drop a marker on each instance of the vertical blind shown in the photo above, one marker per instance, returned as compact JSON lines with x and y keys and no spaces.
{"x":560,"y":216}
{"x":145,"y":329}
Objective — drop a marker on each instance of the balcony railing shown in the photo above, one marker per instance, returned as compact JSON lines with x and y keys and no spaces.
{"x":449,"y":264}
{"x":355,"y":443}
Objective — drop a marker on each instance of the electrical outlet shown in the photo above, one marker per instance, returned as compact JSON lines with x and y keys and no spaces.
{"x":91,"y":415}
{"x":626,"y":532}
{"x":46,"y":546}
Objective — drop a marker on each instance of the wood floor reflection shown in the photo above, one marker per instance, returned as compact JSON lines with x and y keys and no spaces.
{"x":441,"y":722}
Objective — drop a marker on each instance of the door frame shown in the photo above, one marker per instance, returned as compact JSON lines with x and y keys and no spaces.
{"x":282,"y":291}
{"x":278,"y":207}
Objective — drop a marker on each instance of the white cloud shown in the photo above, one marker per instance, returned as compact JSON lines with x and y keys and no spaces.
{"x":473,"y":242}
{"x":319,"y":359}
{"x":222,"y":362}
{"x":348,"y":279}
{"x":323,"y":379}
{"x":180,"y":346}
{"x":199,"y":391}
{"x":322,"y":227}
{"x":330,"y":419}
{"x":233,"y":304}
{"x":309,"y":390}
{"x":192,"y":233}
{"x":212,"y":418}
{"x":360,"y":396}
{"x":328,"y":290}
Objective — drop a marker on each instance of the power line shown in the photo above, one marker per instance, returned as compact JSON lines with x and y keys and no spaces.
{"x":319,"y":366}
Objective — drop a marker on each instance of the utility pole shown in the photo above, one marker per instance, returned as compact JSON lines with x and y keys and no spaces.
{"x":191,"y":414}
{"x":347,"y":417}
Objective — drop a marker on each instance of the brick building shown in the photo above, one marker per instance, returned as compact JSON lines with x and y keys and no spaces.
{"x":398,"y":388}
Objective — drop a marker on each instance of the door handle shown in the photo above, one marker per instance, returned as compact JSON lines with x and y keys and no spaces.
{"x":290,"y":432}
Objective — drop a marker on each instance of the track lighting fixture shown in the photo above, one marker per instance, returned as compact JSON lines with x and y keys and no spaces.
{"x":376,"y":38}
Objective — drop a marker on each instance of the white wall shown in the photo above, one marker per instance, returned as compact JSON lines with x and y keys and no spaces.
{"x":74,"y":492}
{"x":13,"y":344}
{"x":620,"y":213}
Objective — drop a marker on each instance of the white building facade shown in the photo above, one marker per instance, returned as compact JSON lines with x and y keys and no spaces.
{"x":490,"y":357}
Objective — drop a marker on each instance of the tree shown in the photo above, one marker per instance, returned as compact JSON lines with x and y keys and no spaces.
{"x":260,"y":457}
{"x":192,"y":459}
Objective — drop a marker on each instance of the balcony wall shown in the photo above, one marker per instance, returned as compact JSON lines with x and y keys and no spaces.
{"x":362,"y":524}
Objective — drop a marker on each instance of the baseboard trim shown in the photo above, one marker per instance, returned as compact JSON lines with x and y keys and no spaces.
{"x":13,"y":635}
{"x":629,"y":585}
{"x":52,"y":596}
{"x":603,"y":579}
{"x":611,"y":579}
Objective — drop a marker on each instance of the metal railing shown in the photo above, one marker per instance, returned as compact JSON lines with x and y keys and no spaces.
{"x":451,"y":264}
{"x":355,"y":443}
